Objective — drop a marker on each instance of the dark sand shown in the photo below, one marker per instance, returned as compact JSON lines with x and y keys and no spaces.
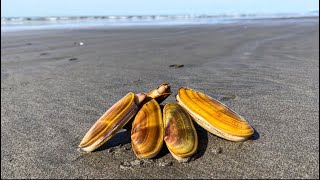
{"x":53,"y":90}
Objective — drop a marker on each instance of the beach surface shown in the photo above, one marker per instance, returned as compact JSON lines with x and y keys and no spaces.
{"x":53,"y":88}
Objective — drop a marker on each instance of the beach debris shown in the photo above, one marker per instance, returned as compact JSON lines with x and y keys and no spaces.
{"x":151,"y":127}
{"x":73,"y":59}
{"x":79,"y":43}
{"x":136,"y":162}
{"x":165,"y":163}
{"x":214,"y":116}
{"x":176,"y":65}
{"x":147,"y":131}
{"x":127,"y":148}
{"x":125,"y":165}
{"x":180,"y":135}
{"x":44,"y":54}
{"x":111,"y":121}
{"x":131,"y":164}
{"x":216,"y":150}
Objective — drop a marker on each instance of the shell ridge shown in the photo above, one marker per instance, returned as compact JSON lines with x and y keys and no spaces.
{"x":225,"y":123}
{"x":234,"y":133}
{"x":221,"y":112}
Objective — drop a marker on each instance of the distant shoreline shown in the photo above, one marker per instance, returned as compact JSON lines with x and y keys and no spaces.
{"x":164,"y":16}
{"x":81,"y":22}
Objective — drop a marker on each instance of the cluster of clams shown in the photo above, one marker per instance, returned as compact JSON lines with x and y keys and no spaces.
{"x":152,"y":127}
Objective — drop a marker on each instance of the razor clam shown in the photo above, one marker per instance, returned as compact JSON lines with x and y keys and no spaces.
{"x":147,"y":131}
{"x":180,"y":135}
{"x":111,"y":121}
{"x":214,"y":116}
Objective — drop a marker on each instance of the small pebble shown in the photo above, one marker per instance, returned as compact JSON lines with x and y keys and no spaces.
{"x":43,"y":54}
{"x":73,"y":59}
{"x":216,"y":150}
{"x":111,"y":150}
{"x":126,"y":163}
{"x":176,"y":65}
{"x":162,"y":164}
{"x":148,"y":161}
{"x":136,"y":163}
{"x":124,"y":167}
{"x":185,"y":160}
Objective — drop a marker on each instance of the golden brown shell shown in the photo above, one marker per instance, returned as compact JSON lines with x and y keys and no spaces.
{"x":180,"y":135}
{"x":147,"y":130}
{"x":214,"y":116}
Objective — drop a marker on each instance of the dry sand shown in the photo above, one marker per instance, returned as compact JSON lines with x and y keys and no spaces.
{"x":53,"y":90}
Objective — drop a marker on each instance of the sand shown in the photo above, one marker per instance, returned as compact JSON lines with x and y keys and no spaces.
{"x":53,"y":89}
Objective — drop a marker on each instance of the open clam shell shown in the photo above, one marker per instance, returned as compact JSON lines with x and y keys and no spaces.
{"x":180,"y":135}
{"x":111,"y":121}
{"x":214,"y":116}
{"x":147,"y":131}
{"x":161,"y":92}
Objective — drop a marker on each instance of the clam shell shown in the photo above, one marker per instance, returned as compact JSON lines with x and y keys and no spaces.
{"x":214,"y":116}
{"x":161,"y":92}
{"x":180,"y":135}
{"x":111,"y":121}
{"x":147,"y":130}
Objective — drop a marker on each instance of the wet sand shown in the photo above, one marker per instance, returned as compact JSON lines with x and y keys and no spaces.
{"x":53,"y":89}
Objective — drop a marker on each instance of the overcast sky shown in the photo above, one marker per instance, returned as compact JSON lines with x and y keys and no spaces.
{"x":29,"y":8}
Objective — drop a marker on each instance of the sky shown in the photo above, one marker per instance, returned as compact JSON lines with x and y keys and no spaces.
{"x":35,"y":8}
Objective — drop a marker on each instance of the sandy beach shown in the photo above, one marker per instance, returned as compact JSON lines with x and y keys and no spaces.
{"x":53,"y":89}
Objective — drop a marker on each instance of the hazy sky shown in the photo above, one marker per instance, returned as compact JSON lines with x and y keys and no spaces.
{"x":29,"y":8}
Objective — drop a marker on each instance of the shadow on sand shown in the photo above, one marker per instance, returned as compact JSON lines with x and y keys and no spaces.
{"x":255,"y":135}
{"x":202,"y":141}
{"x":123,"y":137}
{"x":119,"y":139}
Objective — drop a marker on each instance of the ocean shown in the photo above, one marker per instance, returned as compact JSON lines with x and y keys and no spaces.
{"x":76,"y":22}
